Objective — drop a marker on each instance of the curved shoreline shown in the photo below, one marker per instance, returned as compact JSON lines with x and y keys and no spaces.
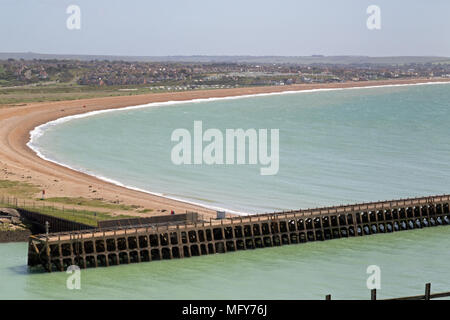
{"x":19,"y":162}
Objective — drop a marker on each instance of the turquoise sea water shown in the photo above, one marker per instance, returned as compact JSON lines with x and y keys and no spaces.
{"x":335,"y":147}
{"x":308,"y":271}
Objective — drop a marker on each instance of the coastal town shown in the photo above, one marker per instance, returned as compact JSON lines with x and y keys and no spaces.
{"x":179,"y":76}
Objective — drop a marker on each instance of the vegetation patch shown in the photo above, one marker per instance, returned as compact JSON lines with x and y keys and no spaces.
{"x":98,"y":203}
{"x":82,"y":216}
{"x":15,"y":194}
{"x":17,"y":188}
{"x":145,"y":210}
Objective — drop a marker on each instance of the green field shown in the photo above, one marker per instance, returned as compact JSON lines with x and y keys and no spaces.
{"x":91,"y":203}
{"x":18,"y":189}
{"x":60,"y":92}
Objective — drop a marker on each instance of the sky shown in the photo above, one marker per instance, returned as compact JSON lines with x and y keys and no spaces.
{"x":227,"y":27}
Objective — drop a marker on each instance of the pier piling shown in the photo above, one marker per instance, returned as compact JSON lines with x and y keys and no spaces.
{"x":144,"y":243}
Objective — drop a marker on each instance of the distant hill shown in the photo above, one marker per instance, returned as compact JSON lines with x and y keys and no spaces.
{"x":315,"y":59}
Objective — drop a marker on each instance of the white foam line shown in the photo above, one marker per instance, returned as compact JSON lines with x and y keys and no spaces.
{"x":120,"y":184}
{"x":40,"y":130}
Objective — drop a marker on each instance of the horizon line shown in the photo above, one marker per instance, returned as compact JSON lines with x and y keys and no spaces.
{"x":227,"y":55}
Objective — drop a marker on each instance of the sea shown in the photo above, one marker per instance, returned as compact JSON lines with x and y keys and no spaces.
{"x":336,"y":146}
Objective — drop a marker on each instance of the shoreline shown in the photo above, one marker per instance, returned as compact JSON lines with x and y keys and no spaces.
{"x":19,"y":160}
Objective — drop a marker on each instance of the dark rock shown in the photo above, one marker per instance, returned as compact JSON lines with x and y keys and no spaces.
{"x":14,"y":236}
{"x":10,"y":212}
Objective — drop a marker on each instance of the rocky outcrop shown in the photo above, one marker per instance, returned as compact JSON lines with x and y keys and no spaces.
{"x":12,"y":228}
{"x":9,"y":212}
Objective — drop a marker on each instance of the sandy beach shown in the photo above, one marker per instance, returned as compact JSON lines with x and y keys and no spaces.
{"x":19,"y":163}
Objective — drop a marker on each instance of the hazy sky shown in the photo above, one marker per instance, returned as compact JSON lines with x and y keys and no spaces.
{"x":227,"y":27}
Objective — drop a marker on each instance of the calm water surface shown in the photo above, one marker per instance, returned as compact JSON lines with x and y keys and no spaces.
{"x":306,"y":271}
{"x":335,"y":147}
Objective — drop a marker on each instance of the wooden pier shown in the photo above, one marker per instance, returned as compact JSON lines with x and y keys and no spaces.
{"x":124,"y":245}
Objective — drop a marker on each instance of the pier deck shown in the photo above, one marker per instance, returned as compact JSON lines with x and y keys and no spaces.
{"x":123,"y":245}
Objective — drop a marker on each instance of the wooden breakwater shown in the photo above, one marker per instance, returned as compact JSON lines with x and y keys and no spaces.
{"x":188,"y":217}
{"x":55,"y":224}
{"x":123,"y":245}
{"x":426,"y":296}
